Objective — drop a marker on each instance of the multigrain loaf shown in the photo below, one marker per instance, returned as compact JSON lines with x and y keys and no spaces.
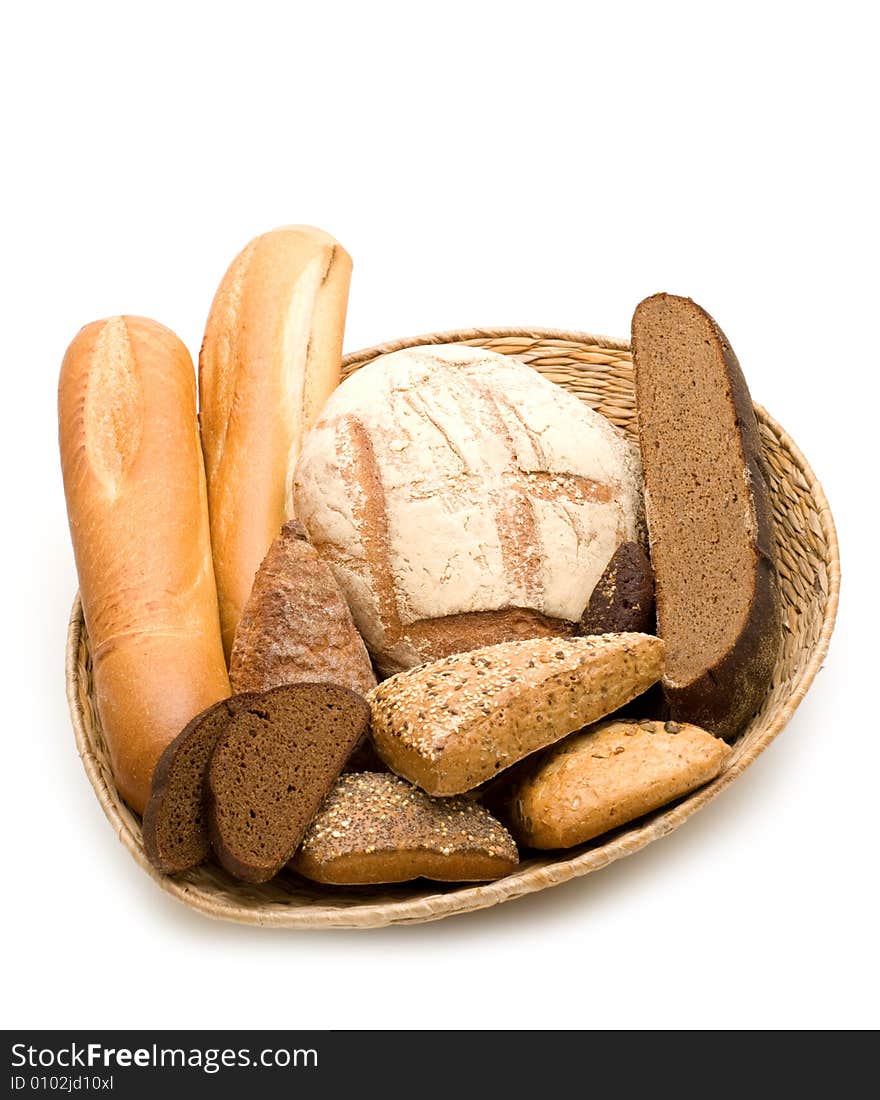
{"x":376,"y":828}
{"x":453,"y":724}
{"x":175,"y":826}
{"x":135,"y":487}
{"x":708,"y":512}
{"x":296,"y":625}
{"x":609,"y":775}
{"x":462,"y":499}
{"x":623,"y":600}
{"x":271,"y":769}
{"x":271,"y":355}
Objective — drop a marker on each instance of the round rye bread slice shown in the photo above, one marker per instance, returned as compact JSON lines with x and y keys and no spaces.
{"x":176,"y":821}
{"x":271,"y":769}
{"x":708,"y":511}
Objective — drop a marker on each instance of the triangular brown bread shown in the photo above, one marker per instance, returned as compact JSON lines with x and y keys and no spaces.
{"x":296,"y":626}
{"x":708,"y":513}
{"x":176,"y":821}
{"x":374,"y":827}
{"x":271,"y":769}
{"x":453,"y":724}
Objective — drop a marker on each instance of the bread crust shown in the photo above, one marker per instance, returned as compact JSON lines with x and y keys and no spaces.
{"x":609,"y":775}
{"x":453,"y":724}
{"x":724,"y":697}
{"x":296,"y":625}
{"x":128,"y":435}
{"x":270,"y":357}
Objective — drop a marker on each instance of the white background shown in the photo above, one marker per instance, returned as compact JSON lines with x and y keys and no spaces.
{"x":546,"y":164}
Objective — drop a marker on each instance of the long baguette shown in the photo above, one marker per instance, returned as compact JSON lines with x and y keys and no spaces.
{"x":135,"y":486}
{"x":271,"y":356}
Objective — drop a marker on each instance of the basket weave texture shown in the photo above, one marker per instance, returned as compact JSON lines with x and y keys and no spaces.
{"x":599,"y":371}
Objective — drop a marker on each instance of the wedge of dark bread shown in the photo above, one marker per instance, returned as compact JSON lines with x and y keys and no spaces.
{"x":374,"y":827}
{"x":623,"y":600}
{"x":708,"y":513}
{"x":271,"y":769}
{"x":175,"y":825}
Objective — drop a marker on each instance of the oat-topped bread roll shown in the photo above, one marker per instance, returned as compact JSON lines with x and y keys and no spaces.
{"x":608,"y":775}
{"x":453,"y":724}
{"x":296,"y":625}
{"x":135,"y":487}
{"x":374,"y":828}
{"x":708,"y":510}
{"x":271,"y":355}
{"x":462,"y":500}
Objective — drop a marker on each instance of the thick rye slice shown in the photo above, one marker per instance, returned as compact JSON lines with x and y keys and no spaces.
{"x":708,"y":513}
{"x":271,"y":769}
{"x":176,"y":820}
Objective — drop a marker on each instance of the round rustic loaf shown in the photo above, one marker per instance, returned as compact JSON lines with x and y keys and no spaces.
{"x":463,"y":500}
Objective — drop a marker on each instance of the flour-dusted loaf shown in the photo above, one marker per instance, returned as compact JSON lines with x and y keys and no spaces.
{"x":272,"y":353}
{"x":708,"y":510}
{"x":462,"y":499}
{"x":135,"y":487}
{"x":453,"y":724}
{"x":296,"y":625}
{"x":375,"y":827}
{"x":609,"y":775}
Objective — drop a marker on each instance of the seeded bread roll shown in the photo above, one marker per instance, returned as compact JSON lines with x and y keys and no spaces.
{"x":296,"y":625}
{"x":463,"y":500}
{"x":271,"y":769}
{"x":709,"y":521}
{"x":271,"y":355}
{"x":135,"y":487}
{"x":377,"y":828}
{"x":609,"y":775}
{"x":451,"y":725}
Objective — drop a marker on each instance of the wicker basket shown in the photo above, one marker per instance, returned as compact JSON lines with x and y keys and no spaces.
{"x":598,"y":370}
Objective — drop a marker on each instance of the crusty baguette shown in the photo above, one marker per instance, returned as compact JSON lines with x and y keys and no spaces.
{"x":271,"y":356}
{"x":609,"y":775}
{"x":453,"y":724}
{"x":135,"y":487}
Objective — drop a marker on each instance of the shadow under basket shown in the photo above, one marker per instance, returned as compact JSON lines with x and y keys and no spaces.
{"x":598,"y":370}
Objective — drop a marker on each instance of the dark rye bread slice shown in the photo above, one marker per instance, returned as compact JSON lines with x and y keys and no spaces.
{"x":175,"y":823}
{"x":708,"y":512}
{"x":271,"y":769}
{"x":623,"y":600}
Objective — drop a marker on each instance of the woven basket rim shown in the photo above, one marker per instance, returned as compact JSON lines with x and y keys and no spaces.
{"x":527,"y":879}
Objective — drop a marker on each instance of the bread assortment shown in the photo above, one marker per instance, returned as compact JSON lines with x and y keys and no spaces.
{"x":296,"y":625}
{"x":445,"y":565}
{"x":462,"y":500}
{"x":451,"y":725}
{"x":609,"y":775}
{"x":135,"y":487}
{"x":270,"y":357}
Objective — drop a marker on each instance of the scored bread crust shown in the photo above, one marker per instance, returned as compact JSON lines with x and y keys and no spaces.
{"x":726,"y":694}
{"x":135,"y":487}
{"x":462,"y":499}
{"x":271,"y":355}
{"x":609,"y":775}
{"x":453,"y":724}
